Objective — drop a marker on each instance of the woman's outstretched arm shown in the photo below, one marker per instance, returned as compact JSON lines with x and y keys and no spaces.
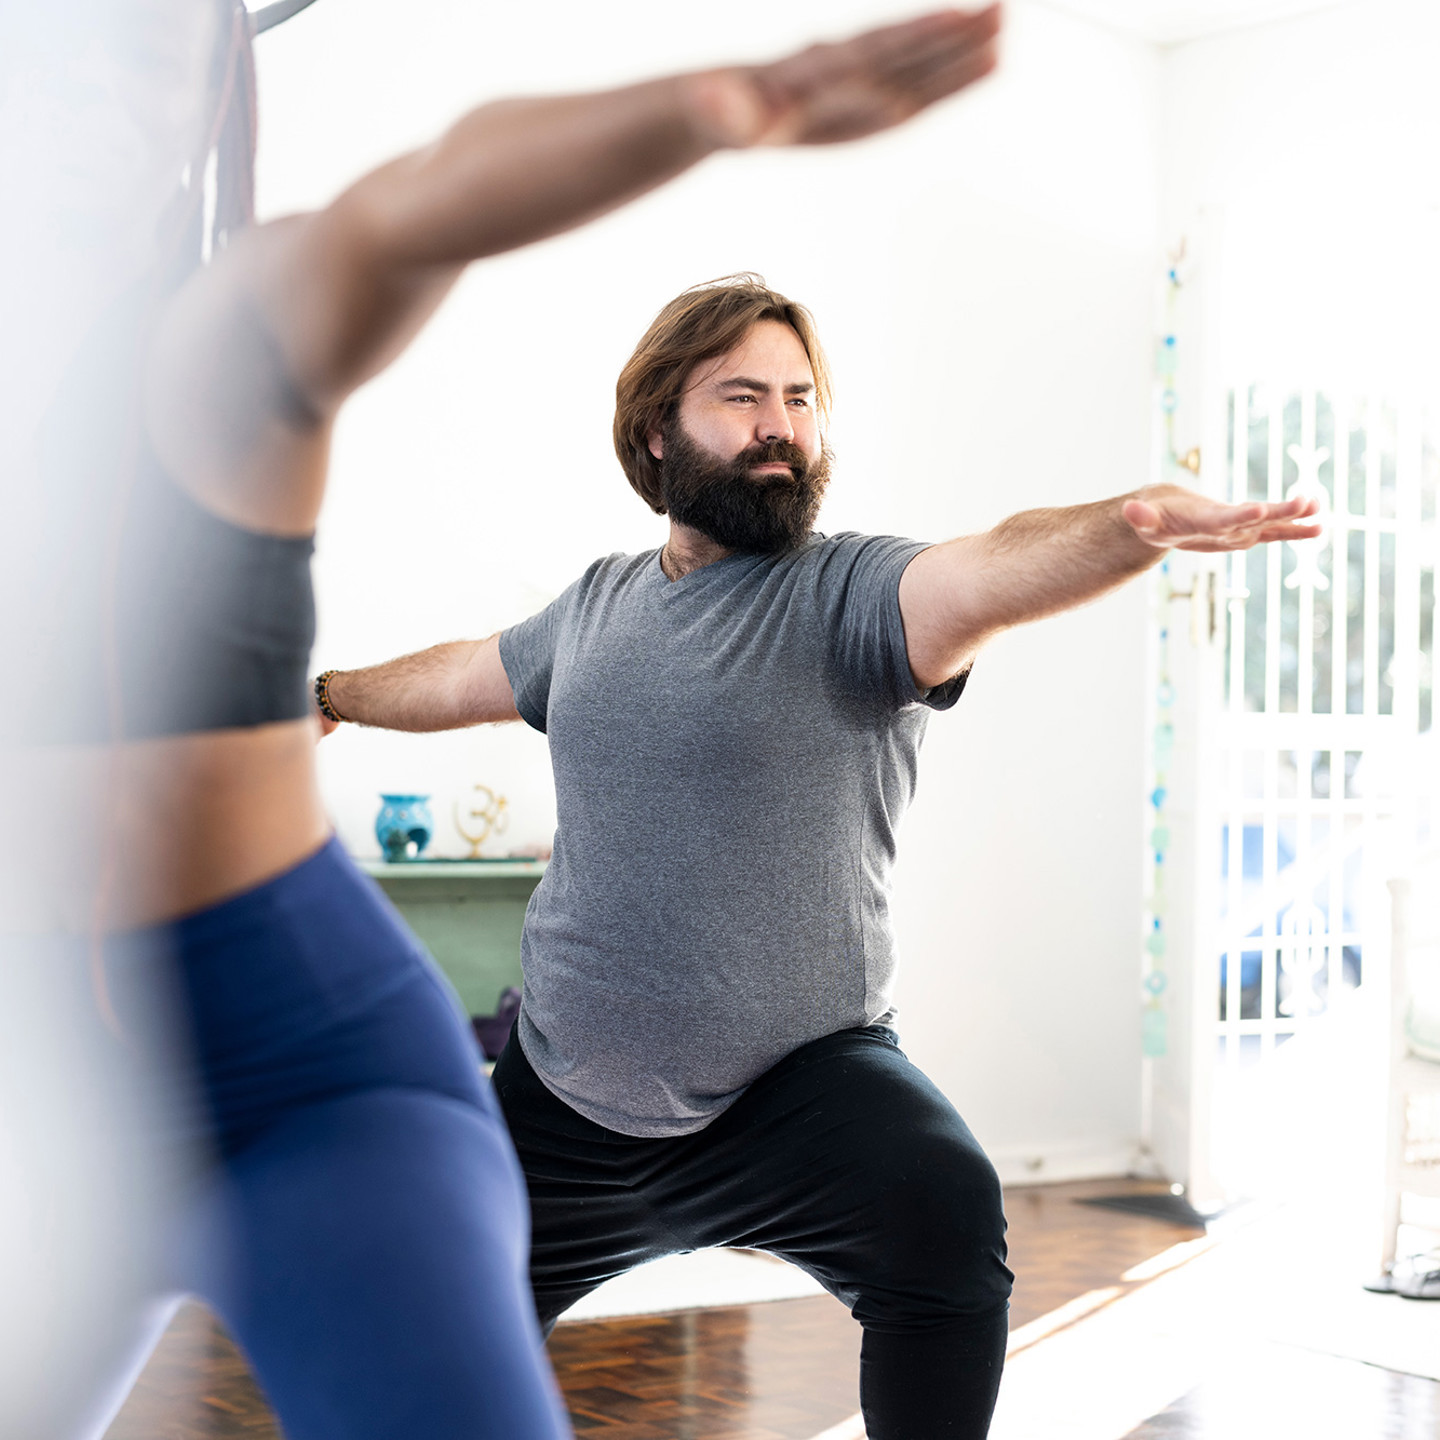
{"x":359,"y":278}
{"x":261,"y":350}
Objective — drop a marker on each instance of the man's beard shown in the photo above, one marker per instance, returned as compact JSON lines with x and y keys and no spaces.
{"x":763,"y":515}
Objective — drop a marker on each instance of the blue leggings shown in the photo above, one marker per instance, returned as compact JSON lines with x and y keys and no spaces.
{"x":362,"y":1228}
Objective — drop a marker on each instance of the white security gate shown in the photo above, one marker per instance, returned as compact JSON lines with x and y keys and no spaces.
{"x":1327,"y":684}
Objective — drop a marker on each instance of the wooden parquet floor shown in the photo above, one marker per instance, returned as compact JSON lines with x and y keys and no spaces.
{"x":780,"y":1371}
{"x":787,"y":1370}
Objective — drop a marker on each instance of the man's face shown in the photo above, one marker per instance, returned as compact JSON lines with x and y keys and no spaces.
{"x":743,"y":460}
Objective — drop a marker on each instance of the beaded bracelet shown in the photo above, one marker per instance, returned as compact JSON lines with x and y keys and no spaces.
{"x":322,"y":697}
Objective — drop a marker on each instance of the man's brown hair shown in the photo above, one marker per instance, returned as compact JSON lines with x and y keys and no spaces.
{"x":700,"y":324}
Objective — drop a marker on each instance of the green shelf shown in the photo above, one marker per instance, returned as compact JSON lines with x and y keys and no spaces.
{"x":468,"y":914}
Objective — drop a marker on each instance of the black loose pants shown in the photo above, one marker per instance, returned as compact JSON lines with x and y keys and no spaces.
{"x":843,"y":1159}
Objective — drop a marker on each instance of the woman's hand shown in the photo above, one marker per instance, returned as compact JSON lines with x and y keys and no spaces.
{"x":852,"y":88}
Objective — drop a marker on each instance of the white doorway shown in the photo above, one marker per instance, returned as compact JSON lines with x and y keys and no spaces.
{"x":1308,"y":686}
{"x":1325,"y":689}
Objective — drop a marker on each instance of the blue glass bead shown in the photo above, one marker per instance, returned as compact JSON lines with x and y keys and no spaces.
{"x":1157,"y":796}
{"x":1155,"y":982}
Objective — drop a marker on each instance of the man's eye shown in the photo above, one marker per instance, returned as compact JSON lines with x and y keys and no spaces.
{"x":801,"y":401}
{"x":747,"y":399}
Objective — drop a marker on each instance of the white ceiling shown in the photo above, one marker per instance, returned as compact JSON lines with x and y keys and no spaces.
{"x":1169,"y":22}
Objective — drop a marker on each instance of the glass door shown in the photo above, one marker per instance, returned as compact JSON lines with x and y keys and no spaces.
{"x":1327,"y":686}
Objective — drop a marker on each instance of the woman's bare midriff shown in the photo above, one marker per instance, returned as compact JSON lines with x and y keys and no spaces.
{"x":112,"y":838}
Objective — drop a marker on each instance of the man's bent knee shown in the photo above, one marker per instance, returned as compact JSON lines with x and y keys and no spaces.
{"x":939,"y":1244}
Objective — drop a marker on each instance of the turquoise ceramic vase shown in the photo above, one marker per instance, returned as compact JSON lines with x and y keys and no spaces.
{"x":404,"y":826}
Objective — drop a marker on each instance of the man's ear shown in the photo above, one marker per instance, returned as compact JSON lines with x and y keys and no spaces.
{"x":655,"y":442}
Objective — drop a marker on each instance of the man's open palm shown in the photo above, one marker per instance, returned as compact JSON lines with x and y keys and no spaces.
{"x":1183,"y":520}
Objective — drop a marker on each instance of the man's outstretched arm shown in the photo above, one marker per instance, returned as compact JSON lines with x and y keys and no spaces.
{"x":446,"y":687}
{"x":955,"y":596}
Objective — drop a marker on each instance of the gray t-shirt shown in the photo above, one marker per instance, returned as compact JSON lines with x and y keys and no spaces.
{"x":732,"y":753}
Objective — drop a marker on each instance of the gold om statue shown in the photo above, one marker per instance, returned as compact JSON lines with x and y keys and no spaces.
{"x":490,"y":812}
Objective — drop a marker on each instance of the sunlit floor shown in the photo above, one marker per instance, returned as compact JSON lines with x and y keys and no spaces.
{"x":1279,"y":1391}
{"x":1098,"y":1335}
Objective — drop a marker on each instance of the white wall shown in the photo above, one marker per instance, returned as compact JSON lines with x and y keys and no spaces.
{"x":1018,"y":893}
{"x":984,"y":283}
{"x":1312,"y":145}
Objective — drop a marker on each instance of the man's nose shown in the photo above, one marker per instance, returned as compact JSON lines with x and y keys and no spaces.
{"x":774,"y":423}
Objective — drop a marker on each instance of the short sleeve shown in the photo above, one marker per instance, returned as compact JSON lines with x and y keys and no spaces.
{"x":527,"y":651}
{"x":870,"y":653}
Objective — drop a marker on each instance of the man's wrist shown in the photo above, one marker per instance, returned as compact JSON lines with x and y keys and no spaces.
{"x":1121,"y":520}
{"x":1141,"y":515}
{"x":324,"y":700}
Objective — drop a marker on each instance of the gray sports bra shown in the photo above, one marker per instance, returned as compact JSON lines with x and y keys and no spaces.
{"x":214,"y":623}
{"x":133,"y":611}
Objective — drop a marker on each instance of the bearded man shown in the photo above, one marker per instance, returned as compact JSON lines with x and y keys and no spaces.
{"x":705,"y":1053}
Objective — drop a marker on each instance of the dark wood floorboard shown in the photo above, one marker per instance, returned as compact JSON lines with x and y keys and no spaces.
{"x":787,"y":1370}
